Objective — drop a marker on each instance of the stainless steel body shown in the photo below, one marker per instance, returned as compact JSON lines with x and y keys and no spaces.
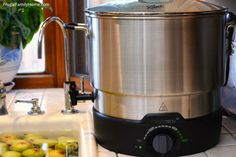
{"x":157,"y":64}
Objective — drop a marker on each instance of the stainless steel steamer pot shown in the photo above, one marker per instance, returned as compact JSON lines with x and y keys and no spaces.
{"x":157,"y":67}
{"x":157,"y":61}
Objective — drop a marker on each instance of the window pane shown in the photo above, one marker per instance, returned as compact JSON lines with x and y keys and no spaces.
{"x":80,"y":61}
{"x":30,"y":62}
{"x":77,"y":44}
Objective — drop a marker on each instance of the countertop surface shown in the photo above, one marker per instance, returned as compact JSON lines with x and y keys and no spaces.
{"x":52,"y":100}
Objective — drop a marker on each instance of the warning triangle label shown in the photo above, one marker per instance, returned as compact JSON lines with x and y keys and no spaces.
{"x":163,"y":107}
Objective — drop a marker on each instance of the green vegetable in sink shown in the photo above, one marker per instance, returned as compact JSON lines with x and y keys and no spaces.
{"x":10,"y":142}
{"x":20,"y":146}
{"x":36,"y":145}
{"x":48,"y":142}
{"x":31,"y":137}
{"x":33,"y":152}
{"x":8,"y":137}
{"x":3,"y":148}
{"x":67,"y":144}
{"x":56,"y":153}
{"x":12,"y":154}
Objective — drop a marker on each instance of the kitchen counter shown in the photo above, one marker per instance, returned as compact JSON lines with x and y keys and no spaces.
{"x":52,"y":100}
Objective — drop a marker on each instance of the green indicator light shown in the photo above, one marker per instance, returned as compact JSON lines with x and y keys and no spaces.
{"x":180,"y":135}
{"x":185,"y":140}
{"x":140,"y":147}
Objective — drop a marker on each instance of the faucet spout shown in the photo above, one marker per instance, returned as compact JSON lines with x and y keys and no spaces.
{"x":65,"y":37}
{"x":70,"y":92}
{"x":69,"y":108}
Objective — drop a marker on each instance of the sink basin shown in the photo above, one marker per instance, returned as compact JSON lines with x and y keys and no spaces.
{"x":54,"y":125}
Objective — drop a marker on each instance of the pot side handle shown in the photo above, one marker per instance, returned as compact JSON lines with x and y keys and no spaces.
{"x":230,"y":26}
{"x":78,"y":27}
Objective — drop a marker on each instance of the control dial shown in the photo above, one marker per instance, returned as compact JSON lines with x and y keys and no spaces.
{"x":162,"y":143}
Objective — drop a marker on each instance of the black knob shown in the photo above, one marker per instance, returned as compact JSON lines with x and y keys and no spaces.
{"x":162,"y":143}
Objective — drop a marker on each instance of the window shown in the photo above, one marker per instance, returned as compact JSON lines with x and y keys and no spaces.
{"x":77,"y":44}
{"x":53,"y":73}
{"x":30,"y":62}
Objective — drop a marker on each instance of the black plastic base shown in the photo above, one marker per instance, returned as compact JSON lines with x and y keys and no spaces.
{"x":135,"y":138}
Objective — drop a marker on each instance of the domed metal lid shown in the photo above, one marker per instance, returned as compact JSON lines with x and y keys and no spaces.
{"x":156,"y":7}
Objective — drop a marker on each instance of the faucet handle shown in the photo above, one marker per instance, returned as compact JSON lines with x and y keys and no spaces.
{"x":35,"y":109}
{"x":2,"y":90}
{"x":3,"y":109}
{"x":33,"y":101}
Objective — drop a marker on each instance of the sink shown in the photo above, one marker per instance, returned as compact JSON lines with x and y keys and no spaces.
{"x":52,"y":126}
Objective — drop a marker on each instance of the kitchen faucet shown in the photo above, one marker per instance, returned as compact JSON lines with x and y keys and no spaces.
{"x":3,"y":109}
{"x":70,"y":92}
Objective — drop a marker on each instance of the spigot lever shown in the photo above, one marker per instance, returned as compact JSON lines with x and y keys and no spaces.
{"x":75,"y":95}
{"x":83,"y":97}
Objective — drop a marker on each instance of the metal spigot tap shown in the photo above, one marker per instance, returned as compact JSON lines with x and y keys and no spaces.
{"x":71,"y":94}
